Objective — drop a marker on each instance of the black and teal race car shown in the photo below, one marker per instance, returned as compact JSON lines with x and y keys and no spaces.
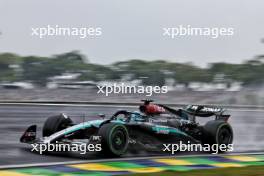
{"x":149,"y":129}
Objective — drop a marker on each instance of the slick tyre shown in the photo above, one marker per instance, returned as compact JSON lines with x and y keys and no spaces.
{"x":114,"y":139}
{"x":218,"y":133}
{"x":56,"y":123}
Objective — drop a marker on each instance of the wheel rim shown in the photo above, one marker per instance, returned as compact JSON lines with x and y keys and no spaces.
{"x":118,"y":140}
{"x":224,"y":136}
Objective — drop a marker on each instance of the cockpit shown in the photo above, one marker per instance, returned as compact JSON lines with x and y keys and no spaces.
{"x":127,"y":116}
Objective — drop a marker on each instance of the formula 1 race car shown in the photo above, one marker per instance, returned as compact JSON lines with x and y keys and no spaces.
{"x":151,"y":128}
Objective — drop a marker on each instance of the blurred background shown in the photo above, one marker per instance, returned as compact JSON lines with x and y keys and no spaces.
{"x":133,"y":50}
{"x":70,"y":76}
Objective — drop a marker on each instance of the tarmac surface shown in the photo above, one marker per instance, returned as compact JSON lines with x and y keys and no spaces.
{"x":14,"y":119}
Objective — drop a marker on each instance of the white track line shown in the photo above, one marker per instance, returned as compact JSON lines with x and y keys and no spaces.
{"x":70,"y":105}
{"x":116,"y":106}
{"x":120,"y":159}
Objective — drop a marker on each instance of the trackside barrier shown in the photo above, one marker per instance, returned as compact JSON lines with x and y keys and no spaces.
{"x":228,"y":106}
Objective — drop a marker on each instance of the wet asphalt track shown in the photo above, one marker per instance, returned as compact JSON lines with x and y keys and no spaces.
{"x":14,"y":119}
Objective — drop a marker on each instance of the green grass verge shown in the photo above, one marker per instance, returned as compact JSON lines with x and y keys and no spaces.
{"x":239,"y":171}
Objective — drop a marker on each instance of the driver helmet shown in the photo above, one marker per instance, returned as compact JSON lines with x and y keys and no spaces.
{"x":136,"y":116}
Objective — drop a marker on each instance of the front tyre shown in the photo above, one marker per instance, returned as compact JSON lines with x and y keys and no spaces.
{"x":55,"y":123}
{"x":114,"y":139}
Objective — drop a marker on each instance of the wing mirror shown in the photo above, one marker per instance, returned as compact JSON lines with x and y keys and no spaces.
{"x":101,"y":115}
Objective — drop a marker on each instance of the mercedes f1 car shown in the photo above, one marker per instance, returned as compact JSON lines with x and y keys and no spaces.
{"x":150,"y":128}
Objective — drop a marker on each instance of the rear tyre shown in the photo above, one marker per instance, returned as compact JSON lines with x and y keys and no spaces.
{"x":218,"y":133}
{"x":56,"y":123}
{"x":114,"y":139}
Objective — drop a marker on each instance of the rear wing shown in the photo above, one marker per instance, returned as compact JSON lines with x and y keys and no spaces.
{"x":207,"y":111}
